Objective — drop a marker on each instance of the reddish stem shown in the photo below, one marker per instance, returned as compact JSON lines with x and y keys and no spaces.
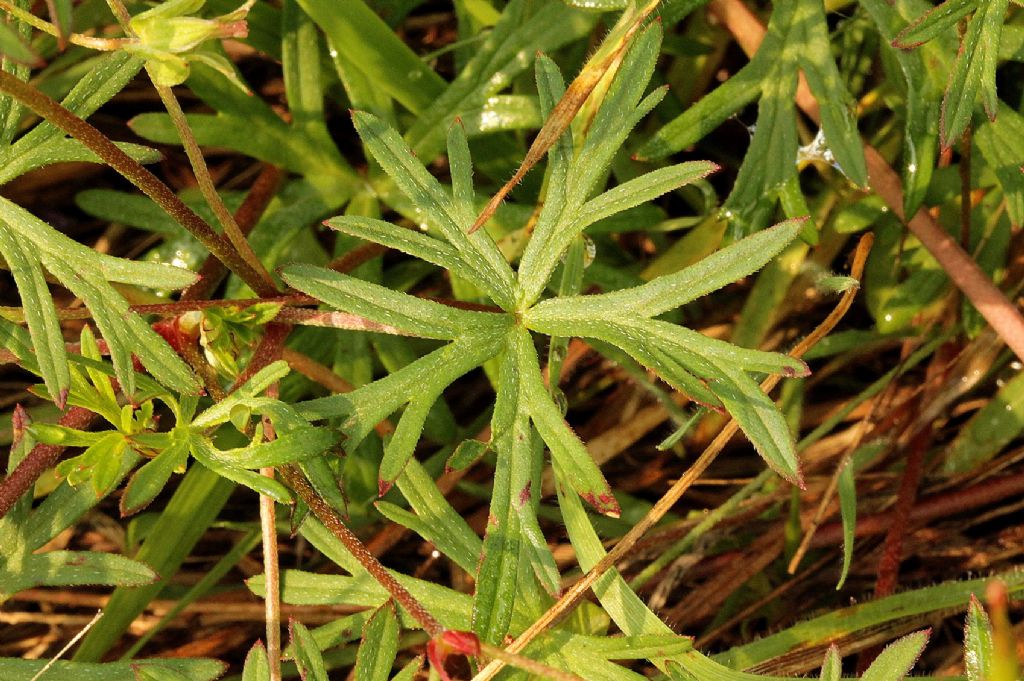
{"x":213,"y":271}
{"x":39,"y":460}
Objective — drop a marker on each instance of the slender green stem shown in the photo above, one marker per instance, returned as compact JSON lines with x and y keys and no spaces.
{"x":135,"y":173}
{"x":231,"y":229}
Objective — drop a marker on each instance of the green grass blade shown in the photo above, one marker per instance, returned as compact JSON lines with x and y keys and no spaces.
{"x":27,"y":670}
{"x":813,"y":636}
{"x":195,"y":504}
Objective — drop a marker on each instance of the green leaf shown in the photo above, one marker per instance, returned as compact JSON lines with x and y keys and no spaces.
{"x":578,"y":466}
{"x":74,"y":568}
{"x":441,"y":524}
{"x":522,"y":32}
{"x":824,"y":629}
{"x":306,"y":653}
{"x":760,"y":420}
{"x":199,"y":498}
{"x":848,"y":509}
{"x":379,"y":646}
{"x":466,"y":454}
{"x":1001,"y":143}
{"x":205,"y":452}
{"x":937,"y":20}
{"x":301,"y":443}
{"x":832,"y":668}
{"x":979,"y":648}
{"x":991,"y":429}
{"x":712,"y":109}
{"x":86,"y":273}
{"x":974,"y":71}
{"x":478,"y":251}
{"x":110,"y":75}
{"x":405,"y":313}
{"x":158,"y":673}
{"x":401,"y":239}
{"x":372,"y":403}
{"x":499,"y":566}
{"x":13,"y":47}
{"x":895,"y":662}
{"x":43,"y":325}
{"x":257,"y":665}
{"x":377,"y":51}
{"x":668,"y":292}
{"x":409,"y":671}
{"x":67,"y":151}
{"x":150,"y":479}
{"x":836,"y":105}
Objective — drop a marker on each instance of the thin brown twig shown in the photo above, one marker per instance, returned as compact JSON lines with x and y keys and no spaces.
{"x":575,"y":594}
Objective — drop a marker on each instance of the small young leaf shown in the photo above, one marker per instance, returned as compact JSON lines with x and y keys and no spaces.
{"x":466,"y":454}
{"x":848,"y":509}
{"x":307,"y":655}
{"x":376,"y":655}
{"x":895,"y":662}
{"x":150,"y":479}
{"x":832,"y":669}
{"x":978,"y":646}
{"x":257,"y":666}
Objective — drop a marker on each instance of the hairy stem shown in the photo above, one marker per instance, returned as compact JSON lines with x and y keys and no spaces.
{"x":333,"y":522}
{"x":135,"y":173}
{"x":212,"y":271}
{"x":575,"y":594}
{"x":227,"y":221}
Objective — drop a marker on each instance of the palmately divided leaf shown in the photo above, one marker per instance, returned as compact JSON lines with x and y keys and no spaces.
{"x":86,"y":273}
{"x":478,"y":250}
